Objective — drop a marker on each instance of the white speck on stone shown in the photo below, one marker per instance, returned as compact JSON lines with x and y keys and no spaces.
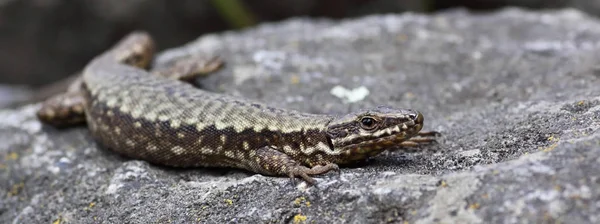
{"x":516,"y":207}
{"x":457,"y":87}
{"x":540,"y":46}
{"x":292,"y":99}
{"x":382,"y":191}
{"x":64,"y":160}
{"x":470,"y":153}
{"x":21,"y":118}
{"x":543,"y":169}
{"x":388,"y":174}
{"x":581,"y":192}
{"x":131,"y":172}
{"x":54,"y":170}
{"x":243,"y":73}
{"x":112,"y":188}
{"x":547,"y":196}
{"x":556,"y":208}
{"x":270,"y":59}
{"x":476,"y":55}
{"x":26,"y":212}
{"x":40,"y":146}
{"x":350,"y":96}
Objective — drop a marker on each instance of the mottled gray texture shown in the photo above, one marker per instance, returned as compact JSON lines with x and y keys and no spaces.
{"x":515,"y":94}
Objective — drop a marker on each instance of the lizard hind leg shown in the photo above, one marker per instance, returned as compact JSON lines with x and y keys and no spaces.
{"x":270,"y":161}
{"x":63,"y":110}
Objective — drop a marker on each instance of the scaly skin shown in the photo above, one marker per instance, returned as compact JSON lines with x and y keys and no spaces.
{"x":158,"y":118}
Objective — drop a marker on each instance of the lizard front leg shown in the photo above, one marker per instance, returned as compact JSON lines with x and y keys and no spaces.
{"x":270,"y":161}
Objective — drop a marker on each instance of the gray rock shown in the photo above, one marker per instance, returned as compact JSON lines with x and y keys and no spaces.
{"x":515,"y":94}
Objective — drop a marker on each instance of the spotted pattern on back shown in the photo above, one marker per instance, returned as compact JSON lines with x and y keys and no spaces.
{"x":173,"y":123}
{"x":156,"y":118}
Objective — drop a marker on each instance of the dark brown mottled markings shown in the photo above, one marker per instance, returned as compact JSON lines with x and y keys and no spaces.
{"x":190,"y":147}
{"x":160,"y":119}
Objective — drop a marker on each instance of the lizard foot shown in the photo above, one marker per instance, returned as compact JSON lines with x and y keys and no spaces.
{"x":304,"y":172}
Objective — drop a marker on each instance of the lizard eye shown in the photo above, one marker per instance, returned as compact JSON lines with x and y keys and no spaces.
{"x":368,"y":123}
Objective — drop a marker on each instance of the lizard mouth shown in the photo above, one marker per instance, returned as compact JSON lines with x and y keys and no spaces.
{"x":404,"y":129}
{"x":371,"y":147}
{"x":390,"y":137}
{"x":394,"y":134}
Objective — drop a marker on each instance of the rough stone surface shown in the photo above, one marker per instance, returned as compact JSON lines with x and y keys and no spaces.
{"x":515,"y":94}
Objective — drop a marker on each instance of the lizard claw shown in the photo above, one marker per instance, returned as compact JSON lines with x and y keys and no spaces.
{"x":304,"y":172}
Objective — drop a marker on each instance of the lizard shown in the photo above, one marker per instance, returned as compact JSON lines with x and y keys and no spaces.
{"x":160,"y":117}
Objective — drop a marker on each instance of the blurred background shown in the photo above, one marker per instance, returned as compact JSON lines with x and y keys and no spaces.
{"x":44,"y":41}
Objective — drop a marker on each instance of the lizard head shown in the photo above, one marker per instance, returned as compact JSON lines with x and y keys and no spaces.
{"x":368,"y":132}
